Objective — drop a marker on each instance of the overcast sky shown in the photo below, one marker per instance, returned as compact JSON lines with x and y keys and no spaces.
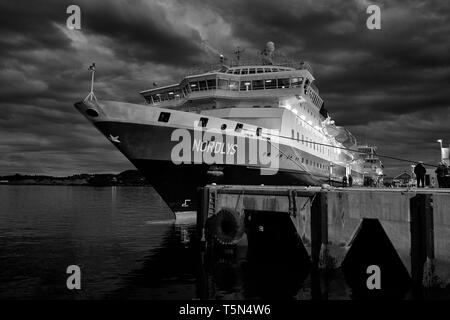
{"x":389,"y":87}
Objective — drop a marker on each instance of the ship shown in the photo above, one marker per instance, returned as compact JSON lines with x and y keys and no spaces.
{"x":373,"y":166}
{"x":261,"y":122}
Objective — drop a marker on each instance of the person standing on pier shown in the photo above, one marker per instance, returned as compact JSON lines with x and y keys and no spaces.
{"x":440,"y":173}
{"x":350,"y":180}
{"x":420,"y":172}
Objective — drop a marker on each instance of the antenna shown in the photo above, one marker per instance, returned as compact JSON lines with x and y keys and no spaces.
{"x":213,"y":50}
{"x":91,"y":95}
{"x":237,"y":53}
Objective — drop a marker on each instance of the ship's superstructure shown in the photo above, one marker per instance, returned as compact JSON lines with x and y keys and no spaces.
{"x":227,"y":125}
{"x":373,"y":167}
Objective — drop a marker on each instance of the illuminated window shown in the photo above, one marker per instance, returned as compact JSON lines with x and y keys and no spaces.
{"x":234,"y":85}
{"x":246,"y":85}
{"x":270,"y":83}
{"x":283,"y":83}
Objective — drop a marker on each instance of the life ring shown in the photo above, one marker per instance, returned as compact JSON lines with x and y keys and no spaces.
{"x":227,"y":226}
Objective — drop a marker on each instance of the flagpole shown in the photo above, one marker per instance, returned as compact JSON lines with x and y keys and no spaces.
{"x":92,"y":81}
{"x":91,"y":96}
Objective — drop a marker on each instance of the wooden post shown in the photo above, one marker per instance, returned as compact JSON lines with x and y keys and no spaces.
{"x":202,"y":214}
{"x":422,"y":240}
{"x":319,"y":230}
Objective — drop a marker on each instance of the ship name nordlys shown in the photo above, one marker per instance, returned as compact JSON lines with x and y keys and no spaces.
{"x":214,"y":146}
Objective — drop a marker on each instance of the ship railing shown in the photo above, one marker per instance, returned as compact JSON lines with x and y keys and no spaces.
{"x":279,"y":62}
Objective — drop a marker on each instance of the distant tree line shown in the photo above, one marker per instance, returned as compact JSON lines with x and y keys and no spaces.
{"x":125,"y":178}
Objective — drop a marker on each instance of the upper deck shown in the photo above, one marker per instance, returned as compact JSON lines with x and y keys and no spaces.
{"x":239,"y":82}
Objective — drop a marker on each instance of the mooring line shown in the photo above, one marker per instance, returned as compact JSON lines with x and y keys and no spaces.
{"x":349,"y":149}
{"x":298,"y":164}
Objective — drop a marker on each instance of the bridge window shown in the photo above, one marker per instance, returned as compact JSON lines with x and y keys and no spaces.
{"x":251,"y":71}
{"x":270,"y":83}
{"x":203,"y":122}
{"x":246,"y":85}
{"x":193,"y":86}
{"x":259,"y":70}
{"x":258,"y":84}
{"x":223,"y":84}
{"x":155,"y":98}
{"x":296,"y":82}
{"x":239,"y":127}
{"x":267,"y":70}
{"x":283,"y":83}
{"x":258,"y":131}
{"x":275,"y":70}
{"x":244,"y":71}
{"x":202,"y":85}
{"x":237,"y":71}
{"x":164,"y":97}
{"x":164,"y":117}
{"x":234,"y":85}
{"x":211,"y":84}
{"x":223,"y":127}
{"x":306,"y":85}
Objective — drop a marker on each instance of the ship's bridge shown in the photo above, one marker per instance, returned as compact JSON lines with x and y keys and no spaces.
{"x":239,"y":82}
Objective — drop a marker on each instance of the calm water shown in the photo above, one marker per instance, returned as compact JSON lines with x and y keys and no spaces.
{"x":129,"y":246}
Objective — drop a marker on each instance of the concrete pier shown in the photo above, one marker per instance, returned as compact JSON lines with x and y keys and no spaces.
{"x":329,"y":222}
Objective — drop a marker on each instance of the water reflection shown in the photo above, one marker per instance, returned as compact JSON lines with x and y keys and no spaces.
{"x":178,"y":269}
{"x":129,"y":246}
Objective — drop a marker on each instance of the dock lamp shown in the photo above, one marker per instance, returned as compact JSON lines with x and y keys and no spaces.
{"x":440,"y":142}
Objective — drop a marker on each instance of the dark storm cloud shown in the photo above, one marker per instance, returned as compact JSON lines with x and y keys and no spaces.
{"x":26,"y":25}
{"x":388,"y":86}
{"x":139,"y":32}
